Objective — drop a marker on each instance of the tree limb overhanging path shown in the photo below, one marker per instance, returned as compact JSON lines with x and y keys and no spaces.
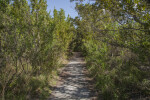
{"x":74,"y":84}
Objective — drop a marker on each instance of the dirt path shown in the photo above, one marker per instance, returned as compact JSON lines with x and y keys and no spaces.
{"x":74,"y":83}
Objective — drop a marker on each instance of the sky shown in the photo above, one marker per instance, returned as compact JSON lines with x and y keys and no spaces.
{"x":66,"y":5}
{"x":69,"y":7}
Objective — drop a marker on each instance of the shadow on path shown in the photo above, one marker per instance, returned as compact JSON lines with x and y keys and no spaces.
{"x":75,"y":83}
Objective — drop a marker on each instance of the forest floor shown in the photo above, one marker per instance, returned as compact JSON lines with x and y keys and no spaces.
{"x":74,"y":82}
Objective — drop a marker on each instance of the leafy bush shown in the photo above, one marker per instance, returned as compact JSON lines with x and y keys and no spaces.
{"x":31,"y":45}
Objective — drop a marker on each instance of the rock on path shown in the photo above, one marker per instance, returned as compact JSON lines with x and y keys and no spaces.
{"x":75,"y":83}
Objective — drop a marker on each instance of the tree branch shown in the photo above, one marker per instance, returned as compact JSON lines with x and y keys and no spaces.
{"x":137,"y":20}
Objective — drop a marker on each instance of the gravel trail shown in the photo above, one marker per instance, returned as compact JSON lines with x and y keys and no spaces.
{"x":74,"y":83}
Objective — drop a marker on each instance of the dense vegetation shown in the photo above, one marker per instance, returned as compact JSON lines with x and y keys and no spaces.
{"x":32,"y":46}
{"x":115,"y":38}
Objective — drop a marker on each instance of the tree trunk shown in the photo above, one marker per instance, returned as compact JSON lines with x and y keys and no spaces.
{"x":3,"y":93}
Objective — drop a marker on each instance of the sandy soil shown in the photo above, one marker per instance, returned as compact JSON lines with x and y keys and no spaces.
{"x":75,"y":83}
